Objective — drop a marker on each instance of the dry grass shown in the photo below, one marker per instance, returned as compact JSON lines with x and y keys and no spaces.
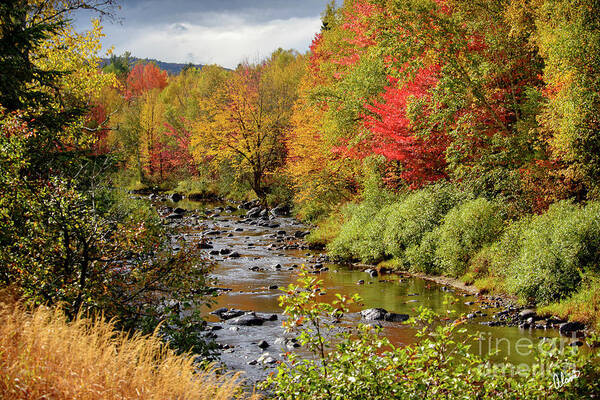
{"x":583,"y":306}
{"x":42,"y":356}
{"x":327,"y":229}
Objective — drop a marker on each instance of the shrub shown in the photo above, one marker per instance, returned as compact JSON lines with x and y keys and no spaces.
{"x":503,"y":253}
{"x":421,"y":257}
{"x":327,"y":230}
{"x":198,"y":187}
{"x":557,"y":249}
{"x":465,"y":230}
{"x":361,"y":236}
{"x":44,"y":356}
{"x":95,"y":251}
{"x":420,"y":212}
{"x":582,"y":306}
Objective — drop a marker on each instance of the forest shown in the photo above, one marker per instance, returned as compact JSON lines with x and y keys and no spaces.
{"x":469,"y":131}
{"x":448,"y":138}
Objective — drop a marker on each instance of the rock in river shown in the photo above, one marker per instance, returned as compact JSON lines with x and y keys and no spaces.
{"x":372,"y":272}
{"x":380,"y":314}
{"x":247,"y":319}
{"x":254,"y":212}
{"x":281,"y":211}
{"x":175,"y":197}
{"x":569,"y":327}
{"x":229,"y":314}
{"x":527,"y":313}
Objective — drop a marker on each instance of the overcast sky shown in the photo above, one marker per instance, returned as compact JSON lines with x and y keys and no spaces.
{"x":222,"y":32}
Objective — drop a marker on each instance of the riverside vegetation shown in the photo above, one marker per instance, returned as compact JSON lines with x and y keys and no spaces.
{"x":437,"y":136}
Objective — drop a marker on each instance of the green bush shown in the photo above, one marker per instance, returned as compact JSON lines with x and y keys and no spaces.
{"x":361,"y":236}
{"x":198,"y":186}
{"x":503,"y":252}
{"x":558,"y":249}
{"x":421,"y":257}
{"x":420,"y":212}
{"x":464,"y":231}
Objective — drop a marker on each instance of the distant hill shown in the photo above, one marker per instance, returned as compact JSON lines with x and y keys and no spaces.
{"x":171,"y":68}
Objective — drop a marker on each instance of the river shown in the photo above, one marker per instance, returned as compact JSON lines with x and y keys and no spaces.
{"x":264,"y":256}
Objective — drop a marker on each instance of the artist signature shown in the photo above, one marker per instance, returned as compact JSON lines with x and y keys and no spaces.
{"x":561,"y":379}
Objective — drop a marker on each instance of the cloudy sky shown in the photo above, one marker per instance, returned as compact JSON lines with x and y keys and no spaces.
{"x":222,"y":32}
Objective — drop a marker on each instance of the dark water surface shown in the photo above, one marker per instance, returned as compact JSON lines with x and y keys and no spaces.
{"x":260,"y":246}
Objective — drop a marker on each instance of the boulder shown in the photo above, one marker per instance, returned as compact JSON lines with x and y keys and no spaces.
{"x":281,"y":210}
{"x":254,"y":212}
{"x":219,"y":311}
{"x":527,"y":313}
{"x":229,"y":314}
{"x":372,"y":272}
{"x":373,"y":314}
{"x":570,"y":327}
{"x":271,"y":317}
{"x":175,"y":197}
{"x":249,"y":319}
{"x":380,"y":314}
{"x":179,"y":210}
{"x":263,"y":344}
{"x":394,"y":317}
{"x":174,"y":216}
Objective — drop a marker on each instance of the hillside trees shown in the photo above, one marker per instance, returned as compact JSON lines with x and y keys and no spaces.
{"x":65,"y":239}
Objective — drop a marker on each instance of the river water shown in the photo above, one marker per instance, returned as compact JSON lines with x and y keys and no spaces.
{"x":266,"y":260}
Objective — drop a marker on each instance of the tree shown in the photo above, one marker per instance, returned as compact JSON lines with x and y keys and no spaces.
{"x":64,"y":238}
{"x":50,"y":74}
{"x":568,"y":36}
{"x":246,"y":120}
{"x":119,"y":65}
{"x":395,"y":130}
{"x":144,"y":77}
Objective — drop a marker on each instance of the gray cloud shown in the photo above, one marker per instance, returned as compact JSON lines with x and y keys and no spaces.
{"x":224,"y":32}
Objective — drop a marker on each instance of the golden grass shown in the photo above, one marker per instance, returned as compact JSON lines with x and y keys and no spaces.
{"x":327,"y":229}
{"x":42,"y":356}
{"x":393,"y":264}
{"x":583,"y":306}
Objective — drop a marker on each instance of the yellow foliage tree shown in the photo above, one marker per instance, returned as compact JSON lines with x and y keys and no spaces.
{"x":246,"y":119}
{"x":77,"y":56}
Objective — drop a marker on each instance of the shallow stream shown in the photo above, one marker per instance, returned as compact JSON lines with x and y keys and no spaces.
{"x":267,"y":260}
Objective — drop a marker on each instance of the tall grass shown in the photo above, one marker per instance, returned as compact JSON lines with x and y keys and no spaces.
{"x":42,"y":355}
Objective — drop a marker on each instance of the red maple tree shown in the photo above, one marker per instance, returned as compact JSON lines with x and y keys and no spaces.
{"x":421,"y":156}
{"x":144,"y":77}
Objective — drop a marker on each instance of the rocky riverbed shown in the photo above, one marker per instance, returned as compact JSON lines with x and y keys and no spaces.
{"x":258,"y":251}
